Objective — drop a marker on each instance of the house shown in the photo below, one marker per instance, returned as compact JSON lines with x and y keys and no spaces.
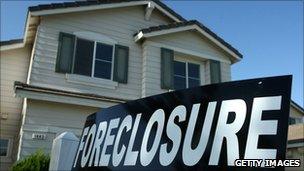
{"x":78,"y":57}
{"x":295,"y":146}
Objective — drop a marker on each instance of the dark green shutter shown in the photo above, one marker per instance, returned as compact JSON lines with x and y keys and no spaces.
{"x":121,"y":60}
{"x":215,"y":71}
{"x":65,"y":53}
{"x":167,"y":75}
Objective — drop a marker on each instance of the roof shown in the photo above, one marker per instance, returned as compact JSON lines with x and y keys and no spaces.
{"x":44,"y":8}
{"x":96,"y":2}
{"x":297,"y":106}
{"x":10,"y":42}
{"x":189,"y":23}
{"x":23,"y":86}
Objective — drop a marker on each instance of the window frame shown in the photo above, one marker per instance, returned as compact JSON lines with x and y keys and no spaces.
{"x":96,"y":38}
{"x":94,"y":60}
{"x":8,"y":150}
{"x":187,"y":74}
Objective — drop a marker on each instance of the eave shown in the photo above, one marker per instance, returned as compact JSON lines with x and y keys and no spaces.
{"x":187,"y":26}
{"x":69,"y":97}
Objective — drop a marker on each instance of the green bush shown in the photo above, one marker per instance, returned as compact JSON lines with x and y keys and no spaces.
{"x":35,"y":162}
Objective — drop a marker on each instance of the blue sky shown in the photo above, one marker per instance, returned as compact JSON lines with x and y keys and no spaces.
{"x":268,"y":33}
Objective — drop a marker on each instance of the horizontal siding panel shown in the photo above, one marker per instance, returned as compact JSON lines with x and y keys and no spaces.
{"x":191,"y":41}
{"x":120,"y":28}
{"x":14,"y":67}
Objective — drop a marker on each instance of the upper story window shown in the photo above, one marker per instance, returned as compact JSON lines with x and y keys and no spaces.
{"x":186,"y":75}
{"x":180,"y":75}
{"x":93,"y":55}
{"x":93,"y":59}
{"x":293,"y":120}
{"x":4,"y":146}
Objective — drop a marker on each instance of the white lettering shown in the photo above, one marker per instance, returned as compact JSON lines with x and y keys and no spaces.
{"x":85,"y":132}
{"x":228,"y":131}
{"x":145,"y":155}
{"x":117,"y":156}
{"x":104,"y":159}
{"x":190,"y":156}
{"x":175,"y":134}
{"x":90,"y":140}
{"x":131,"y":156}
{"x":259,"y":127}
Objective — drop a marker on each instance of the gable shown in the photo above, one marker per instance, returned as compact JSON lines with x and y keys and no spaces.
{"x":118,"y":23}
{"x":191,"y":40}
{"x":78,"y":6}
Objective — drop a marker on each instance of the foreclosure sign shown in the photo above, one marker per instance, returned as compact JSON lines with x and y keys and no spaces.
{"x":202,"y":128}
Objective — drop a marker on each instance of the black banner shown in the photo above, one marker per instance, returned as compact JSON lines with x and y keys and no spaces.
{"x":202,"y":128}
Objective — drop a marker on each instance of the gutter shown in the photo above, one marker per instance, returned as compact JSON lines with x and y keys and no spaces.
{"x":31,"y":88}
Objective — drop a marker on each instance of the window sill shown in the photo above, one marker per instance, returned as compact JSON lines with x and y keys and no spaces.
{"x":90,"y":81}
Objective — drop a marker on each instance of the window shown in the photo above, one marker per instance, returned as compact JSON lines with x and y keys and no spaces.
{"x":291,"y":121}
{"x":103,"y":61}
{"x":92,"y":55}
{"x":93,"y":59}
{"x":4,"y":147}
{"x":186,"y":75}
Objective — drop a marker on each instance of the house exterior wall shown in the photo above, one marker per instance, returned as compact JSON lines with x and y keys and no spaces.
{"x":151,"y":78}
{"x":192,"y":41}
{"x":144,"y":71}
{"x":295,"y":147}
{"x":203,"y":50}
{"x":50,"y":119}
{"x":119,"y":24}
{"x":295,"y":113}
{"x":14,"y":67}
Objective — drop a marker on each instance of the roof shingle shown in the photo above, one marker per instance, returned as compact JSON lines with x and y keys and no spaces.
{"x":150,"y":29}
{"x":96,"y":2}
{"x":9,"y":42}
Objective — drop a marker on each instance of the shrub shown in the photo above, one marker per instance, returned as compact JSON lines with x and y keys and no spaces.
{"x":37,"y":161}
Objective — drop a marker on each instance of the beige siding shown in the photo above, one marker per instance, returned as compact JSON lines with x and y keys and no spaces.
{"x":296,"y":131}
{"x":14,"y":67}
{"x":151,"y":81}
{"x":118,"y":24}
{"x":189,"y":41}
{"x":192,"y":41}
{"x":225,"y":72}
{"x":295,"y":113}
{"x":51,"y":119}
{"x":196,"y":44}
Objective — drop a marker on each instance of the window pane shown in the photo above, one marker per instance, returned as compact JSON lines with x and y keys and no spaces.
{"x":3,"y":152}
{"x":193,"y":82}
{"x":291,"y":121}
{"x":103,"y":69}
{"x":179,"y":68}
{"x":84,"y":57}
{"x":104,"y":52}
{"x":3,"y":143}
{"x":3,"y":147}
{"x":179,"y":83}
{"x":193,"y":70}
